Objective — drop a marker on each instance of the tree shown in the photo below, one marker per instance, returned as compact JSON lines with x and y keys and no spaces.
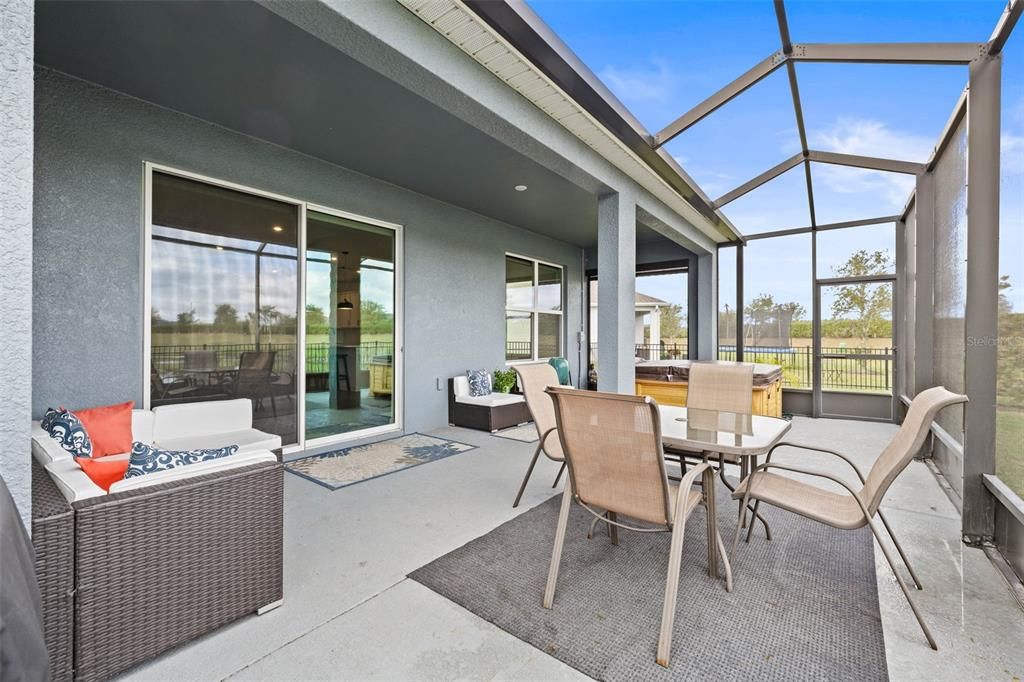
{"x":870,"y":304}
{"x":316,"y":320}
{"x":188,"y":319}
{"x":225,"y":317}
{"x":155,"y":318}
{"x":672,"y":324}
{"x":1005,"y":305}
{"x":764,"y":317}
{"x":374,"y":318}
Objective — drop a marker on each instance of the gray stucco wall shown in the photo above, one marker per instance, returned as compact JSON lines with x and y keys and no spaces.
{"x":90,"y":147}
{"x":16,"y":58}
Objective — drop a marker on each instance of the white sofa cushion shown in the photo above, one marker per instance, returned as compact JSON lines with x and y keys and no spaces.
{"x":142,"y":426}
{"x":239,"y":459}
{"x":461,"y":386}
{"x":247,"y":441}
{"x":174,"y":422}
{"x":491,"y":400}
{"x":74,"y":483}
{"x":45,"y":449}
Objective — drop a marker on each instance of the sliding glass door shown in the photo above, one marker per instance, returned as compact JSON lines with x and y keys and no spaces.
{"x":226,"y":318}
{"x":224,"y":299}
{"x":350,"y":325}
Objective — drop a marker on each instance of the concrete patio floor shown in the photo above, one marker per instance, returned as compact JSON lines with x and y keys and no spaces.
{"x":350,"y":613}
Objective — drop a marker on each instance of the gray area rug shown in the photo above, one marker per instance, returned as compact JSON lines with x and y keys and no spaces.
{"x":804,"y":606}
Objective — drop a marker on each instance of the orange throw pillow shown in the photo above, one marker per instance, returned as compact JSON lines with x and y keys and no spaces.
{"x":109,"y":428}
{"x":103,"y":472}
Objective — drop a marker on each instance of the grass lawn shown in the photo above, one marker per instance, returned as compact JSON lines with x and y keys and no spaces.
{"x":1010,"y":448}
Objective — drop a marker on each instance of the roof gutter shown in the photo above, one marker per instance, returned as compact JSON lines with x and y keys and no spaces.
{"x":515,"y":22}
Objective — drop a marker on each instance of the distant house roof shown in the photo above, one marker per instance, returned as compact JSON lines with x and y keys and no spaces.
{"x":642,"y":301}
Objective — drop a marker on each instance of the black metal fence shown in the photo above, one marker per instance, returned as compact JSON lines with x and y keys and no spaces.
{"x":170,"y":360}
{"x":840,"y":373}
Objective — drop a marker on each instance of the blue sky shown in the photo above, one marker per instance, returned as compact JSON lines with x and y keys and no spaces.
{"x":662,"y":58}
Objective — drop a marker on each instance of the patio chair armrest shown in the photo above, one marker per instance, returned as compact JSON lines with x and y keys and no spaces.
{"x":691,"y":475}
{"x":686,"y":483}
{"x":819,"y":474}
{"x":814,"y":448}
{"x":544,"y":439}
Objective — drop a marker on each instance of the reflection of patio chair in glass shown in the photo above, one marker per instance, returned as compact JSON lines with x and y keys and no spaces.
{"x":283,"y":382}
{"x":199,"y":365}
{"x":253,"y":379}
{"x":167,"y":391}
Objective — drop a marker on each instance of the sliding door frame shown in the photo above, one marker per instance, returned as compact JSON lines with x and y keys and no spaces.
{"x":397,"y":359}
{"x":302,"y":207}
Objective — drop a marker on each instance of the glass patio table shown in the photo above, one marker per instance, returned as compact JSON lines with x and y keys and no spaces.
{"x":703,"y":432}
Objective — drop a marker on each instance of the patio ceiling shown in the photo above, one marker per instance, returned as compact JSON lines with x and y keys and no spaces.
{"x":243,"y":67}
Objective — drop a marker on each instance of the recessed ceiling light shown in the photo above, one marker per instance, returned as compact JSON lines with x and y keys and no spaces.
{"x":278,"y":228}
{"x":520,"y":188}
{"x":334,"y":258}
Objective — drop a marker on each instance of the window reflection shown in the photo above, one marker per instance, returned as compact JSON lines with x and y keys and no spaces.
{"x":224,"y":300}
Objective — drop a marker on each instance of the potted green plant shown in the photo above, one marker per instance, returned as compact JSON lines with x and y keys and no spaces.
{"x":504,"y":380}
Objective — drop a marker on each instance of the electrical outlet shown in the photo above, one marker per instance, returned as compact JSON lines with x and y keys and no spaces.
{"x":437,"y":383}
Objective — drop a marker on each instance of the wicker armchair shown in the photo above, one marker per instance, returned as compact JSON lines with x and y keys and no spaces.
{"x":125,"y":577}
{"x":612,"y":445}
{"x":851,"y":509}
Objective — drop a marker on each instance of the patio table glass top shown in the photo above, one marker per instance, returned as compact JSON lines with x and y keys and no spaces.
{"x":744,"y":435}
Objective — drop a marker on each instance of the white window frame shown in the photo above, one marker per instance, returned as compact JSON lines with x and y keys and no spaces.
{"x":534,"y":311}
{"x":302,"y":207}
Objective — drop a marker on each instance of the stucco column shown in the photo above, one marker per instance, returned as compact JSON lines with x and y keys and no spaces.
{"x":16,"y":103}
{"x":704,"y":308}
{"x":616,"y":292}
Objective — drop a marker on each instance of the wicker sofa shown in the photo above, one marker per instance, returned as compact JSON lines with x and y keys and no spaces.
{"x":128,"y":575}
{"x":486,"y":413}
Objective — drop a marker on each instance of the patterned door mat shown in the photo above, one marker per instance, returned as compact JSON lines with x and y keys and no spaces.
{"x":527,"y":433}
{"x":347,"y":466}
{"x":804,"y":607}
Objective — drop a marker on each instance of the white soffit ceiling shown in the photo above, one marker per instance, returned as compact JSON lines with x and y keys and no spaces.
{"x":460,"y":26}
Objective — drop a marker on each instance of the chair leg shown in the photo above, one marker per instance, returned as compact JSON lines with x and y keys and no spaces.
{"x":906,"y":562}
{"x":903,"y":586}
{"x":758,"y":517}
{"x":739,"y":522}
{"x":668,"y":609}
{"x":613,"y":530}
{"x":529,"y":472}
{"x":725,"y":559}
{"x":561,"y":470}
{"x":556,"y":551}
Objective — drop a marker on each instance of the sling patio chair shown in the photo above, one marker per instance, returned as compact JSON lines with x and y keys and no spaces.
{"x":254,"y":379}
{"x":613,"y":448}
{"x":851,"y":509}
{"x":720,"y":387}
{"x":533,"y":379}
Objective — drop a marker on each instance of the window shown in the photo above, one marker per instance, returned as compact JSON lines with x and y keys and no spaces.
{"x":533,"y":309}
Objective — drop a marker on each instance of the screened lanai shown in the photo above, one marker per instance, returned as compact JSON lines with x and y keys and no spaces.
{"x":872,"y":162}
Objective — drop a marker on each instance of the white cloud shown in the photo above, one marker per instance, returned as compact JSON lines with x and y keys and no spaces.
{"x":866,"y":137}
{"x":650,"y":83}
{"x":1011,"y":150}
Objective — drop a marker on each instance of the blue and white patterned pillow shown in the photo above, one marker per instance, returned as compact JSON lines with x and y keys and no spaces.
{"x":146,"y":459}
{"x":68,"y":430}
{"x":479,"y":382}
